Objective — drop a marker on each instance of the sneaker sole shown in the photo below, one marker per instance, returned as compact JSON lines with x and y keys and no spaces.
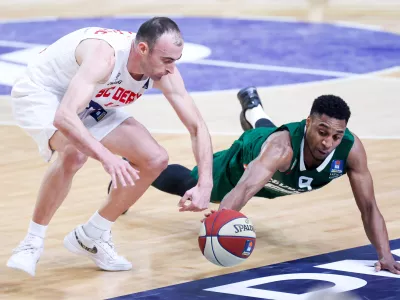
{"x":72,"y":248}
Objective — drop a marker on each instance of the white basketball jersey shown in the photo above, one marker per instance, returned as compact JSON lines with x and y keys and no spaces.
{"x":56,"y":66}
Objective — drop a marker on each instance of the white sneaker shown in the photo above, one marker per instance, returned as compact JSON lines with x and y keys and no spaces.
{"x":101,"y":251}
{"x":27,"y":254}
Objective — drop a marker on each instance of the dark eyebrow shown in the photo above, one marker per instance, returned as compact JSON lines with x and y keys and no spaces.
{"x":324,"y":125}
{"x":327,"y":127}
{"x":173,"y":58}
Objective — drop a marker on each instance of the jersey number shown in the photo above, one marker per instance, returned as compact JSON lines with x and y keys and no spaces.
{"x":305,"y":182}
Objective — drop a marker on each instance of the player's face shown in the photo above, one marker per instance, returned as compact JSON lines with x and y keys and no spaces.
{"x":161,"y":60}
{"x":323,"y":135}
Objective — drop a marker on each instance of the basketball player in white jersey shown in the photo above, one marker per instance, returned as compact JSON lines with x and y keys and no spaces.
{"x":69,"y":101}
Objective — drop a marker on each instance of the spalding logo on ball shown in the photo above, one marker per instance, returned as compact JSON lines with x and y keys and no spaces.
{"x":227,"y":238}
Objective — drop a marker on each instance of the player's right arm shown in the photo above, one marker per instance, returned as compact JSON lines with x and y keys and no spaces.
{"x":96,"y":62}
{"x":275,"y":155}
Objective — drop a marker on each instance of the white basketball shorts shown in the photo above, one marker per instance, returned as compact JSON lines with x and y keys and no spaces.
{"x":34,"y":109}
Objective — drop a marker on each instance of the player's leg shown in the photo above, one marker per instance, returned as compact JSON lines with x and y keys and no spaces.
{"x":252,"y":114}
{"x":54,"y":188}
{"x":175,"y":179}
{"x":33,"y":110}
{"x":57,"y":180}
{"x":142,"y":151}
{"x":129,"y":139}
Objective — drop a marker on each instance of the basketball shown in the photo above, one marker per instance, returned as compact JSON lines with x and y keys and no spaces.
{"x":227,"y":238}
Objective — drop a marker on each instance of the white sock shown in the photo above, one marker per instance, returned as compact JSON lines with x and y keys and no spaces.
{"x":254,"y":114}
{"x":37,"y":229}
{"x":96,"y":226}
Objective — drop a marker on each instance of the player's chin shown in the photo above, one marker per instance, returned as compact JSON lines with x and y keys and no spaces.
{"x":320,"y":155}
{"x":157,"y":77}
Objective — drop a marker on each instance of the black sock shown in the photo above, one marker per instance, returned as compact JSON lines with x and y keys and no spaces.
{"x":175,"y":179}
{"x":264,"y":123}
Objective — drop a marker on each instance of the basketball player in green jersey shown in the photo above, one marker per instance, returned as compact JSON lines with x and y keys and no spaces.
{"x":269,"y":161}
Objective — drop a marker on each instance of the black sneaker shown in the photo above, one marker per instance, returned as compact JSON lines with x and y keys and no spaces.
{"x":248,"y":98}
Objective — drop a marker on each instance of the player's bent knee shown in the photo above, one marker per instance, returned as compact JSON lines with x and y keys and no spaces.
{"x":72,"y":159}
{"x":158,"y":162}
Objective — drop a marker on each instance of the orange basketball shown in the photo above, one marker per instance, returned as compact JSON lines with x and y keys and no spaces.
{"x":227,"y":238}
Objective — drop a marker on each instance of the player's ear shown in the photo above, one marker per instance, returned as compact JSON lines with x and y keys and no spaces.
{"x":143,"y":48}
{"x":308,"y":121}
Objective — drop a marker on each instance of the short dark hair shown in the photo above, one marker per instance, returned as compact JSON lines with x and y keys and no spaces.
{"x":332,"y":106}
{"x":151,"y":30}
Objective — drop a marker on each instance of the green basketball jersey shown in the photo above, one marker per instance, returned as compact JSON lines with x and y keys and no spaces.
{"x":230,"y":164}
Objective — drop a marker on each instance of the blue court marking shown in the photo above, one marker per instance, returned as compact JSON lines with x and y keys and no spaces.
{"x":324,"y":47}
{"x":375,"y":288}
{"x":5,"y":49}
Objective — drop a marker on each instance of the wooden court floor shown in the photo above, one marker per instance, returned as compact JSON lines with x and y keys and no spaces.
{"x":162,"y":242}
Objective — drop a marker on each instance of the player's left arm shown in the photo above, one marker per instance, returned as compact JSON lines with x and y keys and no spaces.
{"x":374,"y":224}
{"x":174,"y":90}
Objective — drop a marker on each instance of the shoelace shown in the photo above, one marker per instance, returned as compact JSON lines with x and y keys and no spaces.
{"x":26,"y":245}
{"x":110,"y":247}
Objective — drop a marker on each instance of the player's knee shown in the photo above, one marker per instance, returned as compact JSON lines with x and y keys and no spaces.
{"x":158,"y":161}
{"x":72,"y":159}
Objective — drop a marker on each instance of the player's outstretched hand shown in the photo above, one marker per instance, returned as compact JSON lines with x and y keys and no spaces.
{"x":120,"y":170}
{"x":207,"y":215}
{"x":199,"y":198}
{"x":388,"y":264}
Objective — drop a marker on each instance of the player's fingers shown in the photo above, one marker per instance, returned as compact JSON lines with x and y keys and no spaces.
{"x":202,"y":207}
{"x":120,"y":177}
{"x":133,"y":172}
{"x":185,"y":198}
{"x":189,"y":207}
{"x":181,"y":202}
{"x":377,"y":266}
{"x":127,"y":176}
{"x":397,"y":266}
{"x":185,"y":207}
{"x":393,"y":270}
{"x":197,"y":207}
{"x":113,"y":180}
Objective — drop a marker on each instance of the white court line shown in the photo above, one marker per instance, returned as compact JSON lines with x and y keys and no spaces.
{"x":358,"y":26}
{"x":38,"y":19}
{"x":4,"y":43}
{"x":231,"y":64}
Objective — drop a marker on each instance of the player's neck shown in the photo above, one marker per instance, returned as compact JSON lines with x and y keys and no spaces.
{"x":133,"y":65}
{"x":309,"y":160}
